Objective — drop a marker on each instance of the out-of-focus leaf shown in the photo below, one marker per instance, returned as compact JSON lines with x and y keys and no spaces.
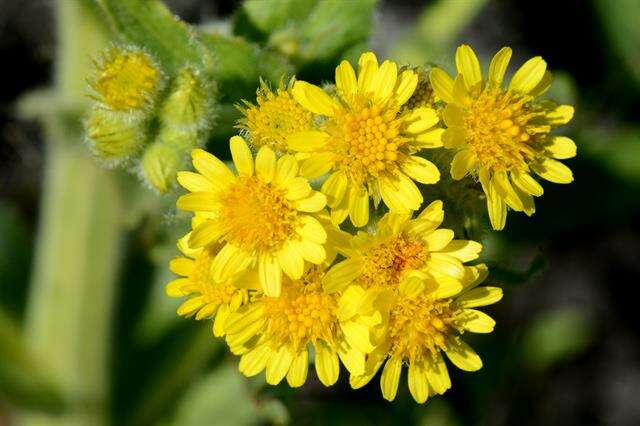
{"x":23,"y":381}
{"x":556,"y":336}
{"x":511,"y":276}
{"x":436,"y":30}
{"x":616,"y":149}
{"x":223,"y":397}
{"x":437,"y":413}
{"x":150,"y":24}
{"x":239,"y":65}
{"x":620,"y":19}
{"x":268,"y":15}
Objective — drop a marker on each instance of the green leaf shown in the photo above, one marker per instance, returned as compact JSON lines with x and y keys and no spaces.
{"x":240,"y":64}
{"x":615,"y":148}
{"x":270,"y":15}
{"x":148,"y":23}
{"x":620,"y":20}
{"x":23,"y":381}
{"x":556,"y":336}
{"x":225,"y":394}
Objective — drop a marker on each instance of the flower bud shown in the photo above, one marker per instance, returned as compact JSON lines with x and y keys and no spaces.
{"x":114,"y":137}
{"x":188,"y":105}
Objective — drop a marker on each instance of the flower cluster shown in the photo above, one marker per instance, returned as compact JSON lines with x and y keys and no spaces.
{"x":315,"y":247}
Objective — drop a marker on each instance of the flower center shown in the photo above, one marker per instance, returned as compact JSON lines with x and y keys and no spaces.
{"x":386,"y":263}
{"x":367,"y":141}
{"x":276,"y":117}
{"x":217,"y":293}
{"x":497,"y":129}
{"x":256,"y":215}
{"x":303,"y":313}
{"x":422,"y":97}
{"x":418,"y":327}
{"x":126,"y":80}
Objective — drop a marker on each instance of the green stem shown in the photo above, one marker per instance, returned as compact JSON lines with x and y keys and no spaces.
{"x":76,"y":260}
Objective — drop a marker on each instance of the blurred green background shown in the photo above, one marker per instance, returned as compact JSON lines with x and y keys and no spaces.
{"x":96,"y":341}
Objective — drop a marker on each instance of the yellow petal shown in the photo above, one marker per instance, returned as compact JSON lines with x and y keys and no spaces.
{"x":543,"y":85}
{"x":352,"y":359}
{"x":317,"y":165}
{"x":445,"y":264}
{"x":191,"y":306}
{"x":560,"y":147}
{"x":245,"y":318}
{"x":313,"y":98}
{"x":314,"y":203}
{"x":390,"y":378}
{"x":291,"y":261}
{"x":463,"y":163}
{"x":195,"y":182}
{"x":434,"y":212}
{"x":307,"y":141}
{"x":497,"y":209}
{"x":438,"y":239}
{"x":442,"y":84}
{"x":359,"y":207}
{"x":460,"y":92}
{"x":335,"y":188}
{"x":349,"y":301}
{"x":418,"y":382}
{"x":358,"y":336}
{"x":278,"y":365}
{"x":529,"y":75}
{"x":468,"y":65}
{"x":430,"y":139}
{"x":220,"y":322}
{"x":176,"y":288}
{"x":462,"y":356}
{"x":553,"y":171}
{"x":480,"y":296}
{"x":453,"y":115}
{"x":342,"y":274}
{"x":242,"y":157}
{"x":254,"y":361}
{"x":286,"y":169}
{"x":312,"y":252}
{"x":205,"y":233}
{"x":297,"y":189}
{"x":562,"y":114}
{"x":463,"y":250}
{"x":312,"y":230}
{"x":437,"y":373}
{"x":453,"y":138}
{"x":368,"y":67}
{"x":405,"y":86}
{"x":499,"y":65}
{"x":198,"y":201}
{"x":207,"y":311}
{"x":297,"y":374}
{"x":346,"y":79}
{"x":420,"y":120}
{"x":502,"y":184}
{"x":340,"y":212}
{"x":476,"y":321}
{"x":181,"y":266}
{"x":444,"y":287}
{"x":421,"y":170}
{"x":384,"y":80}
{"x":210,"y":166}
{"x":228,"y":262}
{"x":527,"y":183}
{"x":266,"y":164}
{"x":327,"y":364}
{"x":400,"y":194}
{"x":270,"y":273}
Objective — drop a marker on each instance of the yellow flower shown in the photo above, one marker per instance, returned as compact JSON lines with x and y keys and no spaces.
{"x":207,"y":299}
{"x":262,"y":216}
{"x":501,"y":135}
{"x":403,"y":249}
{"x":275,"y":334}
{"x":423,"y":96}
{"x":423,"y":321}
{"x":366,"y":141}
{"x":275,"y":116}
{"x":125,"y":79}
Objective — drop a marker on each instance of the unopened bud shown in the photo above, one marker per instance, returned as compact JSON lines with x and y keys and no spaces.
{"x":114,"y":137}
{"x":188,"y":105}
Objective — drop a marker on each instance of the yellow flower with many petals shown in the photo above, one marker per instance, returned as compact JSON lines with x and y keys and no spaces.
{"x":206,"y":298}
{"x":274,"y":118}
{"x":404,"y":249}
{"x":366,"y":140}
{"x":501,"y":135}
{"x":425,"y":320}
{"x":263,"y":216}
{"x":276,"y":334}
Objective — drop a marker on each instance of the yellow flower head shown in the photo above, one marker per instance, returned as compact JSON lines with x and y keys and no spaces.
{"x":423,"y":96}
{"x":264,"y":215}
{"x":501,"y":135}
{"x":404,"y":249}
{"x":366,"y":140}
{"x":423,"y":321}
{"x":206,"y":298}
{"x":276,"y":333}
{"x":125,"y":79}
{"x":275,"y":116}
